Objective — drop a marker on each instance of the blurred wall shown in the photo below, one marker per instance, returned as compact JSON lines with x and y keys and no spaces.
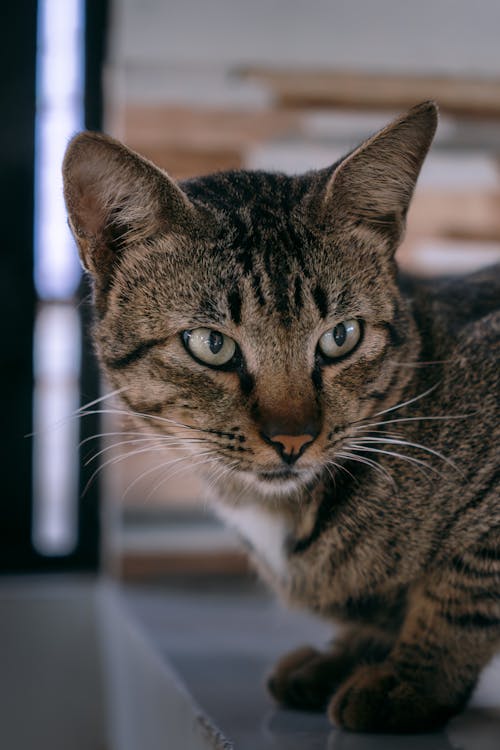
{"x":442,"y":36}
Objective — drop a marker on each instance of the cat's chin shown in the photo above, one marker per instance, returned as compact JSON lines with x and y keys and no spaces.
{"x":279,"y":482}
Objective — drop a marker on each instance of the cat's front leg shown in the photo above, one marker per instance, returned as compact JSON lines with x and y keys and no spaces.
{"x":447,"y":638}
{"x":307,"y":678}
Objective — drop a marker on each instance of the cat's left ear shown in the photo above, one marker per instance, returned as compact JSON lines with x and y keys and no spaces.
{"x":374,"y":184}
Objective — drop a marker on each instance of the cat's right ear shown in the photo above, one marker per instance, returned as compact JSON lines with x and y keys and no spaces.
{"x":116,"y":198}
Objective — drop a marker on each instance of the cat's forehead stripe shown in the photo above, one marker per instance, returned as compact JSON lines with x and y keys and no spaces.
{"x":234,"y":303}
{"x":297,"y":295}
{"x":257,"y":289}
{"x":321,"y":300}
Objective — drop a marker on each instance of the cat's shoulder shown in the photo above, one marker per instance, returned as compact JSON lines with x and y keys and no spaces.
{"x":461,"y":306}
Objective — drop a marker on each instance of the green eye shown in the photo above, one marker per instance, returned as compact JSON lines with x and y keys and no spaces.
{"x":210,"y":347}
{"x":340,"y":340}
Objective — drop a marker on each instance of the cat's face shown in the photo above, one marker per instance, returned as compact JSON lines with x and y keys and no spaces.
{"x":253,"y":317}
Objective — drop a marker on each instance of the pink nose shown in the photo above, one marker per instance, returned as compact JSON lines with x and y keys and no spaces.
{"x":290,"y":447}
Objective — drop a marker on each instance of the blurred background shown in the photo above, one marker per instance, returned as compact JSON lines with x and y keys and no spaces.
{"x":196,"y":87}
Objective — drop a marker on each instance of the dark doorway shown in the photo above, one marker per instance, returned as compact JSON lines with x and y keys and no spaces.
{"x":17,"y":292}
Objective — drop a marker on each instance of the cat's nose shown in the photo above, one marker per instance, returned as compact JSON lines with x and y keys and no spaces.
{"x":290,"y":447}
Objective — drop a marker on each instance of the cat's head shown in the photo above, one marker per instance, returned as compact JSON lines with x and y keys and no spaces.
{"x":255,"y":317}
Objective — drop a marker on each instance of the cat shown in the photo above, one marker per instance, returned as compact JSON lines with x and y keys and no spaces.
{"x":346,"y":416}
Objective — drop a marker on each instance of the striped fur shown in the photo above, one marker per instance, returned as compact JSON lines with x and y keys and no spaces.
{"x":389,"y":520}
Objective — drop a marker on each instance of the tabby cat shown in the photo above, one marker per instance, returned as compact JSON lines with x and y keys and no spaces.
{"x":348,"y":417}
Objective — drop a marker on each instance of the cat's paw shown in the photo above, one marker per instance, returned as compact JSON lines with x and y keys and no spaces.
{"x":375,"y":699}
{"x":303,"y":679}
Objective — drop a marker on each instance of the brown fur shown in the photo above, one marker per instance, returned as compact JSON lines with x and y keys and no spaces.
{"x":389,"y":527}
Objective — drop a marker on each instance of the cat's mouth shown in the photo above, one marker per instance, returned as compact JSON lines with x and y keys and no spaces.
{"x":280,"y":480}
{"x":276,"y":475}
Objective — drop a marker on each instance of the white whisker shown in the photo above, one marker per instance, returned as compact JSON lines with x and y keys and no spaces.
{"x":180,"y":470}
{"x":101,"y":398}
{"x":142,"y":415}
{"x":409,"y":401}
{"x":128,"y":454}
{"x":419,"y":446}
{"x":73,"y":415}
{"x":123,"y":433}
{"x":369,"y":462}
{"x":416,"y":419}
{"x":119,"y":459}
{"x":163,"y":480}
{"x":375,"y":433}
{"x":331,"y":473}
{"x":120,"y":433}
{"x":340,"y":467}
{"x":162,"y":465}
{"x":220,"y":472}
{"x":174,"y":443}
{"x":402,"y":456}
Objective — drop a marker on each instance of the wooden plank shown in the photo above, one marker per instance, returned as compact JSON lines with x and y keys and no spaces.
{"x":184,"y":162}
{"x":192,"y":141}
{"x":205,"y":127}
{"x":139,"y":566}
{"x":306,"y":89}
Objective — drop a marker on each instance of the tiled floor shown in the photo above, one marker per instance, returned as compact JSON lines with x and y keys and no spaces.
{"x":222,"y":643}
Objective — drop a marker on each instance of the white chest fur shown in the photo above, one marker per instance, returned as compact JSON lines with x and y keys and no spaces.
{"x":266,"y":533}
